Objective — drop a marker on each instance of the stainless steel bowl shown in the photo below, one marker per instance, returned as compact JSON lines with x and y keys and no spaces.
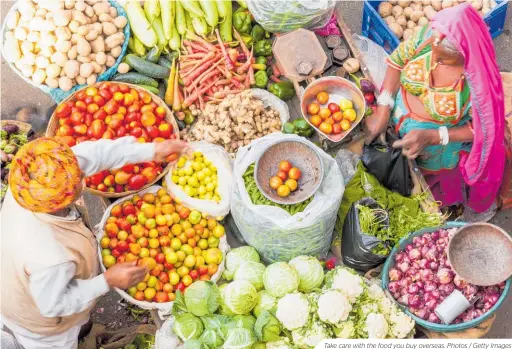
{"x":338,"y":89}
{"x":303,"y":155}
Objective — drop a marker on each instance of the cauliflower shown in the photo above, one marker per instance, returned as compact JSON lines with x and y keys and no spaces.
{"x":401,"y":324}
{"x":368,"y":307}
{"x":376,"y":326}
{"x":351,"y":285}
{"x":345,"y":330}
{"x":376,"y":293}
{"x":293,"y":310}
{"x":280,"y":344}
{"x":333,"y":307}
{"x":310,"y":336}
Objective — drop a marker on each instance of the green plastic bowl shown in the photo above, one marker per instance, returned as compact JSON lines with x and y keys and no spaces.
{"x":426,"y":324}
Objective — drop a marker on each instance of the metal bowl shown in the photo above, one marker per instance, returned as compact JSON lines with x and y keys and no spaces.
{"x":481,"y":253}
{"x":338,"y":89}
{"x":303,"y":155}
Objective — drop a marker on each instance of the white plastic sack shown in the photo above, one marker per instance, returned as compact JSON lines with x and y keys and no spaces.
{"x":164,"y":309}
{"x":278,"y":16}
{"x":272,"y":231}
{"x":271,"y":101}
{"x":374,"y":56}
{"x":165,"y":337}
{"x":220,"y":158}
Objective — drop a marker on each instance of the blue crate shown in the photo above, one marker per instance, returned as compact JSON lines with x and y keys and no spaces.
{"x":376,"y":29}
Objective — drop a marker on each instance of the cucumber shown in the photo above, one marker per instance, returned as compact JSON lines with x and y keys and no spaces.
{"x":135,"y":78}
{"x":147,"y":68}
{"x":161,"y":90}
{"x":154,"y":54}
{"x":164,"y":62}
{"x":171,"y":55}
{"x":150,"y":88}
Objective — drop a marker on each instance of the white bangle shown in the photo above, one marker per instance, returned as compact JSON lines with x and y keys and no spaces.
{"x":443,"y":135}
{"x":386,"y":99}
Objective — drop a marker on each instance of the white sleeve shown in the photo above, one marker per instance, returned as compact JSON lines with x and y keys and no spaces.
{"x":56,"y":293}
{"x":106,"y":154}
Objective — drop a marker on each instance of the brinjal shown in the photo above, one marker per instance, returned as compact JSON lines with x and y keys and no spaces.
{"x":10,"y":129}
{"x":11,"y":148}
{"x":5,"y":173}
{"x":363,"y":83}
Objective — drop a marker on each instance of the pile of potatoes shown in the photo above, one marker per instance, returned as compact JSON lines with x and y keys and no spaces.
{"x":63,"y":43}
{"x":405,"y":18}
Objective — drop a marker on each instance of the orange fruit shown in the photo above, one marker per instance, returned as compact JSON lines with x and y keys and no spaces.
{"x":345,"y":124}
{"x":329,"y":121}
{"x":338,"y":116}
{"x":324,"y":113}
{"x":292,"y":184}
{"x":322,"y":97}
{"x":316,"y":120}
{"x":350,"y":115}
{"x":336,"y":129}
{"x":275,"y":182}
{"x":325,"y":128}
{"x":313,"y":108}
{"x":295,"y":173}
{"x":283,"y":191}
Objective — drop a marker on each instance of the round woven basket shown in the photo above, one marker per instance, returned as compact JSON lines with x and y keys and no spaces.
{"x":53,"y":126}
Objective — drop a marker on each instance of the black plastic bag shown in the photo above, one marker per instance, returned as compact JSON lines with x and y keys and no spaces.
{"x":389,"y":165}
{"x":356,"y":246}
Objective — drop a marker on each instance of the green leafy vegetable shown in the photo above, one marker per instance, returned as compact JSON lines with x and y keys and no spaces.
{"x":239,"y":338}
{"x":267,"y":327}
{"x":188,"y":326}
{"x":251,"y":272}
{"x":280,"y":278}
{"x":265,"y":302}
{"x":202,"y":298}
{"x":240,"y":297}
{"x":310,"y":271}
{"x":238,"y":256}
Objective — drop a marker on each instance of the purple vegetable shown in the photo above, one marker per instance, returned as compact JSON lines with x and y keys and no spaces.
{"x":431,"y":304}
{"x":395,"y":274}
{"x":432,"y":317}
{"x":412,"y":289}
{"x":414,"y":301}
{"x":363,"y":83}
{"x":404,"y":267}
{"x":445,"y":276}
{"x":393,"y":287}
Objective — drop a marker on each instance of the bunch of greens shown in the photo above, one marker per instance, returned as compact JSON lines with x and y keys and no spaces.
{"x":257,"y":197}
{"x":141,"y":341}
{"x":371,"y":221}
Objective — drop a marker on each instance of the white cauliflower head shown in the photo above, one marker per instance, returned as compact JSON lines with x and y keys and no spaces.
{"x":310,"y":336}
{"x":293,"y":310}
{"x":376,"y":326}
{"x":345,"y":330}
{"x":351,"y":285}
{"x":376,"y":293}
{"x":333,"y":307}
{"x":401,"y":324}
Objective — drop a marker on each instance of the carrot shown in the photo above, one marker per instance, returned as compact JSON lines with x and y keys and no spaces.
{"x":275,"y":71}
{"x":229,"y":63}
{"x":251,"y":76}
{"x":223,"y":82}
{"x":245,"y":66}
{"x":169,"y":92}
{"x":206,"y":44}
{"x":207,"y":57}
{"x":196,"y":46}
{"x":195,"y":73}
{"x":236,"y":84}
{"x":224,"y":94}
{"x":194,"y":96}
{"x":274,"y":78}
{"x":176,"y":105}
{"x":190,"y":50}
{"x":242,"y":43}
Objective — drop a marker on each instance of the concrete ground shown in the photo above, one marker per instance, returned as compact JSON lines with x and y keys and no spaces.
{"x":16,"y":94}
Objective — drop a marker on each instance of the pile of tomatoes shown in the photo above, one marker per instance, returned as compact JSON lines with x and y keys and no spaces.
{"x":178,"y":246}
{"x":332,"y":118}
{"x":109,"y":111}
{"x":285,"y":181}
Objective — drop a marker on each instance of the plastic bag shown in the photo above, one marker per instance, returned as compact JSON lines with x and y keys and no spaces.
{"x":388,"y":165}
{"x":220,"y":158}
{"x":374,"y":56}
{"x":165,"y":337}
{"x":56,"y":93}
{"x":164,"y":309}
{"x":273,"y":102}
{"x":357,"y":246}
{"x":347,"y":162}
{"x":272,"y":231}
{"x":285,"y":16}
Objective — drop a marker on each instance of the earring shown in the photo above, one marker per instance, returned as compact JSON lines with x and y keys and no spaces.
{"x":437,"y":41}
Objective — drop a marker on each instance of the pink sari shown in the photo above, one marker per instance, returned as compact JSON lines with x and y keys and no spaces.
{"x":481,"y":169}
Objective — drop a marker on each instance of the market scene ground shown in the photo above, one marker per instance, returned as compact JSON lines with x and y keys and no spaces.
{"x":16,"y":94}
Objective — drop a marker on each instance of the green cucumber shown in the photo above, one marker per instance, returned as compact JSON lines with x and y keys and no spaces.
{"x":171,"y":55}
{"x":147,"y":68}
{"x":135,"y":78}
{"x":161,"y":90}
{"x":150,"y":88}
{"x":154,"y":54}
{"x":164,"y":62}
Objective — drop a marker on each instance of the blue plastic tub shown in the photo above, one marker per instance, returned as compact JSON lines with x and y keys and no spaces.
{"x":376,"y":29}
{"x":429,"y":325}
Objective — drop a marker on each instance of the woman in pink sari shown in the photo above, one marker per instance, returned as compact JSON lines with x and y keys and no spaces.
{"x":444,"y":96}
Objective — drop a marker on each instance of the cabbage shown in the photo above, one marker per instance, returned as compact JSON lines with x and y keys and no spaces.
{"x":252,"y":272}
{"x":223,"y":308}
{"x":265,"y":302}
{"x":280,"y":278}
{"x":267,"y":327}
{"x":239,"y":338}
{"x":202,"y":298}
{"x":211,"y":338}
{"x":240,"y":297}
{"x":310,"y":271}
{"x":187,"y":326}
{"x":238,"y":256}
{"x":245,"y":321}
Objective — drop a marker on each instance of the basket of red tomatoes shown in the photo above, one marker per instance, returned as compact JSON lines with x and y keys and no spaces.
{"x":110,"y":110}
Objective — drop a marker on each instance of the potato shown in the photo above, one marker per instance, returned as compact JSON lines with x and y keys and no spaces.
{"x":12,"y":20}
{"x":80,"y":6}
{"x":411,"y":24}
{"x":41,"y":12}
{"x":27,"y":70}
{"x":39,"y":76}
{"x":29,"y":59}
{"x":79,"y":17}
{"x":62,"y":18}
{"x":98,"y":45}
{"x":417,"y":7}
{"x":73,"y":52}
{"x":408,"y":12}
{"x":20,"y":33}
{"x":92,"y":35}
{"x":446,"y":3}
{"x":42,"y":62}
{"x":416,"y":15}
{"x":74,"y":39}
{"x":53,"y":70}
{"x":73,"y":26}
{"x":423,"y":21}
{"x":27,"y":46}
{"x":86,"y":69}
{"x":407,"y":34}
{"x":397,"y":11}
{"x":402,"y":21}
{"x":110,"y":61}
{"x":83,"y":59}
{"x":63,"y":33}
{"x":59,"y":58}
{"x":72,"y":69}
{"x":429,"y":12}
{"x":80,"y":80}
{"x":396,"y":29}
{"x":389,"y":20}
{"x":69,"y":4}
{"x":384,"y":9}
{"x":120,"y":22}
{"x":65,"y":83}
{"x":12,"y":50}
{"x":91,"y":80}
{"x":109,"y":28}
{"x":83,"y":30}
{"x":404,"y":3}
{"x":116,"y":51}
{"x":101,"y":58}
{"x":393,"y":2}
{"x":96,"y":66}
{"x":63,"y":46}
{"x":92,"y":56}
{"x":97,"y":27}
{"x":426,"y":2}
{"x":123,"y":68}
{"x":105,"y":18}
{"x":52,"y":82}
{"x":101,"y":8}
{"x":83,"y":47}
{"x":114,"y":40}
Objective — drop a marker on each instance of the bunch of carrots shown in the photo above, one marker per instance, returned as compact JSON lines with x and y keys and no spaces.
{"x":208,"y":71}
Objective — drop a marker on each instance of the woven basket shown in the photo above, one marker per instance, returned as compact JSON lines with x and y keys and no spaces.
{"x":53,"y":126}
{"x":23,"y":126}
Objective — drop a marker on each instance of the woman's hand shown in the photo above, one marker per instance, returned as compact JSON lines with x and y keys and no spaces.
{"x":125,"y":275}
{"x":415,"y":141}
{"x":169,"y":148}
{"x":377,"y":123}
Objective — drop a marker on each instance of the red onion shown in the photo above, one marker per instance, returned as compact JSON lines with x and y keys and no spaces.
{"x":399,"y":257}
{"x":488,"y":305}
{"x":459,"y":282}
{"x":416,"y":240}
{"x":470,"y":290}
{"x":426,"y":275}
{"x":431,"y":254}
{"x":429,"y":286}
{"x":443,"y":233}
{"x":420,"y":285}
{"x":403,"y":291}
{"x":404,"y":267}
{"x":423,"y":263}
{"x":431,"y":304}
{"x":396,"y":295}
{"x":445,"y":276}
{"x":413,"y":301}
{"x":395,"y":274}
{"x":422,"y":313}
{"x":432,"y":317}
{"x":412,"y":289}
{"x":436,"y":294}
{"x":393,"y":287}
{"x":479,"y":305}
{"x":412,"y":272}
{"x":427,"y":237}
{"x":406,"y":259}
{"x":449,"y":288}
{"x":434,"y":266}
{"x":408,"y":248}
{"x":404,"y":299}
{"x":478,"y":312}
{"x":435,"y":235}
{"x":492,"y":298}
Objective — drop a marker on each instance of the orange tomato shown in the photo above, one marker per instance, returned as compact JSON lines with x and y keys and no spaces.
{"x":336,"y":129}
{"x":283,"y":191}
{"x":350,"y":115}
{"x":316,"y":120}
{"x":329,"y":121}
{"x":338,"y":116}
{"x":325,"y":128}
{"x":285,"y":166}
{"x":292,"y":184}
{"x":322,"y":97}
{"x":275,"y":182}
{"x":283,"y":175}
{"x":313,"y":108}
{"x":324,"y":113}
{"x":295,"y":173}
{"x":345,"y":124}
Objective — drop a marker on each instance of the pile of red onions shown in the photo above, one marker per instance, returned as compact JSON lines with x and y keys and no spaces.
{"x":422,"y":278}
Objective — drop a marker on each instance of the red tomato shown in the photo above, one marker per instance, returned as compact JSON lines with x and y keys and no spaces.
{"x":135,"y":107}
{"x":98,"y":128}
{"x":100,"y":115}
{"x":127,"y":168}
{"x":115,"y":124}
{"x":161,"y":297}
{"x":88,"y":119}
{"x":97,"y":178}
{"x":145,"y":97}
{"x":93,"y":108}
{"x":114,"y":88}
{"x":146,"y":108}
{"x":333,"y":107}
{"x":119,"y":188}
{"x":108,"y":134}
{"x":160,"y":112}
{"x":285,"y":166}
{"x":77,"y":118}
{"x":115,"y":252}
{"x":105,"y":93}
{"x":81,"y":139}
{"x":110,"y":107}
{"x":130,"y":117}
{"x":65,"y":130}
{"x":89,"y":132}
{"x":194,"y":274}
{"x":80,"y":95}
{"x":152,"y":132}
{"x":283,"y":175}
{"x":168,"y":266}
{"x":295,"y":173}
{"x":134,"y":124}
{"x":136,"y":132}
{"x":123,"y":88}
{"x":80,"y":129}
{"x":123,"y":246}
{"x":160,"y":258}
{"x":121,"y":131}
{"x":136,"y":182}
{"x":81,"y":105}
{"x":165,"y":130}
{"x":180,"y":287}
{"x":68,"y":140}
{"x":63,"y":111}
{"x":150,"y":173}
{"x":91,"y":91}
{"x":164,"y":277}
{"x":99,"y":100}
{"x":336,"y":129}
{"x":148,"y":119}
{"x":66,"y":121}
{"x":88,"y":100}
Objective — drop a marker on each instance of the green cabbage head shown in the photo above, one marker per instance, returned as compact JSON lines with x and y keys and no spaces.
{"x":238,"y":256}
{"x":187,"y":326}
{"x":240,"y":297}
{"x":280,"y":279}
{"x":252,"y":272}
{"x":310,"y":271}
{"x":202,"y":298}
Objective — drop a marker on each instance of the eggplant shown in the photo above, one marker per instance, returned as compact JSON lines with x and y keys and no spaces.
{"x":11,"y":148}
{"x":30,"y":133}
{"x":5,"y":173}
{"x":181,"y":124}
{"x":10,"y":129}
{"x":363,"y":83}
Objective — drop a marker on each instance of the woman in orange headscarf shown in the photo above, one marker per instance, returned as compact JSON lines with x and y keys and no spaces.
{"x":49,"y":257}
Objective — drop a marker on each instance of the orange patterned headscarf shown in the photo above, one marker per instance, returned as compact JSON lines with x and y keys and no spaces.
{"x":44,"y":176}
